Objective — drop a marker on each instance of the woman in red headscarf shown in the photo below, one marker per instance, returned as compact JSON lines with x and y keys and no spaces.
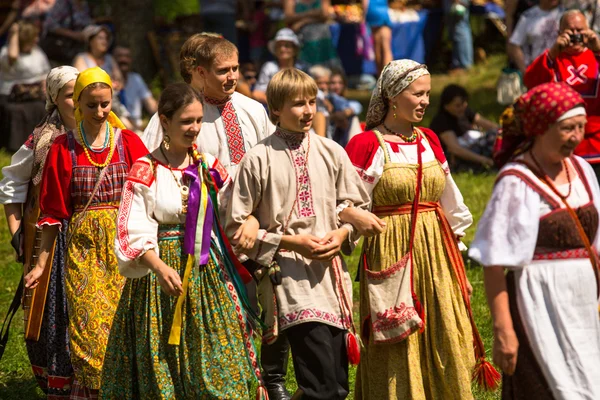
{"x":541,"y":225}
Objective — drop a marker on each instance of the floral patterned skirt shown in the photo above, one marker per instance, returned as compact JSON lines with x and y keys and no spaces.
{"x":210,"y":362}
{"x":93,"y":286}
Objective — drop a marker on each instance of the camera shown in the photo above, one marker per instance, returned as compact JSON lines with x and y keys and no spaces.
{"x":576,"y":38}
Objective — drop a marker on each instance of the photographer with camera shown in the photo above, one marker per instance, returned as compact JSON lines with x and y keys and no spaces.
{"x":573,"y":59}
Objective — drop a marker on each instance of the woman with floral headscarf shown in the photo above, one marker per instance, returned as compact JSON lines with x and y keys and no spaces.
{"x":82,"y":183}
{"x":541,"y":225}
{"x":417,"y":327}
{"x":19,"y":192}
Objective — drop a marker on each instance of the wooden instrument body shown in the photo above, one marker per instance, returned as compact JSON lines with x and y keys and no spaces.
{"x":34,"y":300}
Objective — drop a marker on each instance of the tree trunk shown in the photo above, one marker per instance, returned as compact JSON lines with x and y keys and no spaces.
{"x":133,"y":20}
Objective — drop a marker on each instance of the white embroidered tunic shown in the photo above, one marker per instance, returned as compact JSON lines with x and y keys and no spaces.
{"x":228,"y":130}
{"x":315,"y":177}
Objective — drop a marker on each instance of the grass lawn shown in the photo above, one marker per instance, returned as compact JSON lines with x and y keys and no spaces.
{"x":16,"y":379}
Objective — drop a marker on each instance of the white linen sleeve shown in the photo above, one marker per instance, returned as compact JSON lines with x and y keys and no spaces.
{"x":456,"y":211}
{"x":372,"y":174}
{"x":153,"y":134}
{"x":16,"y":177}
{"x":508,"y":230}
{"x":137,"y":229}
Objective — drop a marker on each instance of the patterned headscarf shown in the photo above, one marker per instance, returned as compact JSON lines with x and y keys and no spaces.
{"x":51,"y":126}
{"x":56,"y":79}
{"x":85,"y":79}
{"x":532,"y":115}
{"x":395,"y":77}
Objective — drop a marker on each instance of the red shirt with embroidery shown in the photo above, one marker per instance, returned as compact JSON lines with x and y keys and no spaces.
{"x":580,"y":71}
{"x":55,"y":190}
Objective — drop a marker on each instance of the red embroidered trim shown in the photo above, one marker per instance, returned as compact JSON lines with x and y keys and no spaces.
{"x":561,"y":255}
{"x":248,"y":341}
{"x":312,"y":314}
{"x":122,"y":221}
{"x":393,"y":317}
{"x":141,"y":172}
{"x":235,"y":138}
{"x":364,"y":176}
{"x":221,"y":170}
{"x":303,"y":186}
{"x":386,"y":273}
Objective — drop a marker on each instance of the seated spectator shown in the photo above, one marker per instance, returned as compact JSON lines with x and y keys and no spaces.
{"x":23,"y":70}
{"x":308,"y":18}
{"x":573,"y":59}
{"x":457,"y":126}
{"x":343,"y":121}
{"x":134,"y":93}
{"x":250,"y":74}
{"x":535,"y":32}
{"x":284,"y":47}
{"x":98,"y":39}
{"x":62,"y":34}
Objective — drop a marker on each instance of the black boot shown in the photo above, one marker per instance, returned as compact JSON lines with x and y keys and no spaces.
{"x":274,"y":359}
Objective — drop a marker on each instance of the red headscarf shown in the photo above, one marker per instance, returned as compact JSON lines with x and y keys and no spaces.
{"x":532,"y":114}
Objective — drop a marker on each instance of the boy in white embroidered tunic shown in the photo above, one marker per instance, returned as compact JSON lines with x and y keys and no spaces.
{"x":304,"y":287}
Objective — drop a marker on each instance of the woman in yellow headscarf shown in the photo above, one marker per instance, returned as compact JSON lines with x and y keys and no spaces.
{"x":82,"y":182}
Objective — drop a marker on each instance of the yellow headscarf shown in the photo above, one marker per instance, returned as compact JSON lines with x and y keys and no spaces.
{"x":85,"y":79}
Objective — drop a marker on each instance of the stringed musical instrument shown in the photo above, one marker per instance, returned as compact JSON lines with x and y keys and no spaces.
{"x":34,"y":300}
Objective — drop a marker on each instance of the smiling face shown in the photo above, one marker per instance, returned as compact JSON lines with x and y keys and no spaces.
{"x":220,"y":80}
{"x":297,"y":114}
{"x":412,"y":102}
{"x":561,"y":139}
{"x":183,"y":128}
{"x":95,"y":104}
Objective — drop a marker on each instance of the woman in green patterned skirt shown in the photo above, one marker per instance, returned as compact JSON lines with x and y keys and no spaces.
{"x":181,"y":329}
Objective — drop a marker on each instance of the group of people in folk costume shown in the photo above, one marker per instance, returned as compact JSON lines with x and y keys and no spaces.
{"x":156,"y":248}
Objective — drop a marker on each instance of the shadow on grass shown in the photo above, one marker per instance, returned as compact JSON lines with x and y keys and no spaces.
{"x":15,"y":387}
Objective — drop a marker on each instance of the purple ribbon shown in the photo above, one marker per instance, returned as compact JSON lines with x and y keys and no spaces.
{"x":217,"y":177}
{"x":191,"y":218}
{"x":191,"y":221}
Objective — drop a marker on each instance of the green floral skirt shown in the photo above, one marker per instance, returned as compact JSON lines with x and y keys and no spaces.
{"x":211,"y":361}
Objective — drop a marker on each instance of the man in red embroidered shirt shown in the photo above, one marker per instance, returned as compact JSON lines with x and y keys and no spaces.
{"x":574,"y":60}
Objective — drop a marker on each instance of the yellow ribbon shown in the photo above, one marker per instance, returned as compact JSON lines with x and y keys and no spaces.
{"x":85,"y":79}
{"x":175,"y":335}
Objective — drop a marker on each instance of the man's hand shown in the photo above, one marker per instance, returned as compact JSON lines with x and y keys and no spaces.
{"x":306,"y":245}
{"x":367,"y":223}
{"x":562,"y":42}
{"x":591,"y":40}
{"x":331,"y":244}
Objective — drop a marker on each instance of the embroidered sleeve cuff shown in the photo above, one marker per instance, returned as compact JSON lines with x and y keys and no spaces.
{"x":341,"y":207}
{"x":267,"y":246}
{"x":133,"y":268}
{"x":49,"y":221}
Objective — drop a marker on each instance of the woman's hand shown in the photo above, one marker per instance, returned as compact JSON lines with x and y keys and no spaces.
{"x":32,"y":277}
{"x":331,"y":244}
{"x":506,"y":349}
{"x":244,"y":238}
{"x":169,"y":280}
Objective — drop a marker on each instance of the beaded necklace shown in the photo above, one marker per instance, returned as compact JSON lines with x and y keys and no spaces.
{"x":408,"y":139}
{"x":87,"y":148}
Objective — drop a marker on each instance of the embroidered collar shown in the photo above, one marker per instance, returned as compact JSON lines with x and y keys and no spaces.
{"x":294,"y":138}
{"x":216,"y":102}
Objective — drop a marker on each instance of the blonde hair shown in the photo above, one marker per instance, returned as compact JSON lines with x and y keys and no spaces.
{"x":187,"y":55}
{"x":288,"y":83}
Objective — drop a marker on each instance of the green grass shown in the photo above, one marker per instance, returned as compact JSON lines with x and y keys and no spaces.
{"x":16,"y":379}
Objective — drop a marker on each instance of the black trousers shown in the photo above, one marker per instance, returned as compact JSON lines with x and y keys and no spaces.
{"x":320,"y":360}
